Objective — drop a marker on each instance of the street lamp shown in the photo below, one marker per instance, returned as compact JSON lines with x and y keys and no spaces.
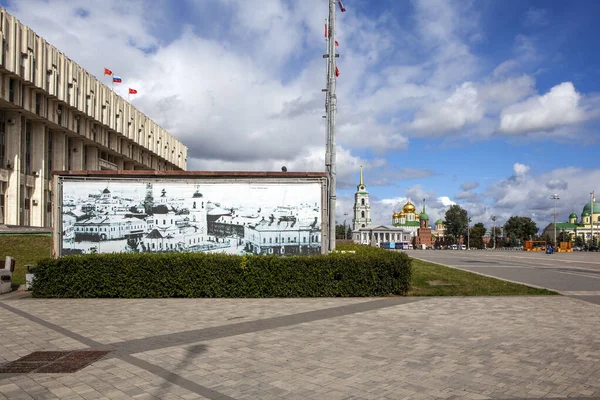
{"x":345,"y":231}
{"x":494,"y":218}
{"x":555,"y":198}
{"x":468,"y":229}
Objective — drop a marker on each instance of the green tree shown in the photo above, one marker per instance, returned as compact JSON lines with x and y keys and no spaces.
{"x":477,"y":233}
{"x":456,"y":221}
{"x":579,"y":242}
{"x":521,"y":227}
{"x":563,"y":236}
{"x":339,"y":232}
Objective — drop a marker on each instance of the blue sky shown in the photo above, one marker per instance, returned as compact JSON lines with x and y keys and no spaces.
{"x":493,"y":105}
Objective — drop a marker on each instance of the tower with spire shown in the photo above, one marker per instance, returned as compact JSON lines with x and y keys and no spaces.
{"x":362,"y":209}
{"x":424,"y":237}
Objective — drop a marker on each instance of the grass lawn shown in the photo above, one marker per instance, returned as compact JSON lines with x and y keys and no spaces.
{"x":26,"y":249}
{"x":430,"y":279}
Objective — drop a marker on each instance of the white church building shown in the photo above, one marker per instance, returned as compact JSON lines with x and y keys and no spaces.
{"x":363,"y":231}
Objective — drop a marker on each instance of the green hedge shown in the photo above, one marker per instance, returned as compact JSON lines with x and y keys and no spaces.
{"x":373,"y":273}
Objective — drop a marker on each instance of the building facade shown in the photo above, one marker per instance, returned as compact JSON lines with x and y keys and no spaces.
{"x":407,"y":219}
{"x":383,"y":234}
{"x":424,"y":238}
{"x":362,"y":208}
{"x":56,"y":116}
{"x":588,"y":224}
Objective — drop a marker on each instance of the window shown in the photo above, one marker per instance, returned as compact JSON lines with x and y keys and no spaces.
{"x":33,"y":69}
{"x":27,"y":148}
{"x":2,"y":140}
{"x":362,"y":214}
{"x":49,"y":149}
{"x":2,"y":199}
{"x":56,"y":85}
{"x":362,"y":202}
{"x":38,"y":103}
{"x":59,"y":112}
{"x":12,"y":84}
{"x":23,"y":61}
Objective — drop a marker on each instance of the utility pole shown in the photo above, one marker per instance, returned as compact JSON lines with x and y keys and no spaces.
{"x":345,"y":231}
{"x":331,"y":108}
{"x":468,"y":233}
{"x":592,"y":218}
{"x":555,"y":198}
{"x":494,"y":230}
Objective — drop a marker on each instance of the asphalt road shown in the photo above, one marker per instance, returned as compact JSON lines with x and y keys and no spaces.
{"x":575,"y":274}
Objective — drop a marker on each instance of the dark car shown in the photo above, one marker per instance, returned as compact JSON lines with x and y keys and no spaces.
{"x":593,"y":247}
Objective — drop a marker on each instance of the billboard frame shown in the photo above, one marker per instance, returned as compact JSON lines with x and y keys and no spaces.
{"x":198,"y":177}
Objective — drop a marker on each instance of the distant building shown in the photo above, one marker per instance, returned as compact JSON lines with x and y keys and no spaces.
{"x":424,"y":238}
{"x":407,"y":219}
{"x":378,"y":235}
{"x":590,"y":215}
{"x":362,"y":208}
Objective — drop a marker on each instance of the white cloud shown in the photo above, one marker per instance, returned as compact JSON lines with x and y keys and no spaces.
{"x":560,"y":106}
{"x":520,"y":169}
{"x":460,"y":109}
{"x":445,"y":200}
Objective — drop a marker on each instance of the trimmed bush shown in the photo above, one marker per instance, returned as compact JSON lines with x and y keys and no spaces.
{"x":370,"y":273}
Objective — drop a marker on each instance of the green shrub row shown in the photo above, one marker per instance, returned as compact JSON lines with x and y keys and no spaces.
{"x":369,"y":273}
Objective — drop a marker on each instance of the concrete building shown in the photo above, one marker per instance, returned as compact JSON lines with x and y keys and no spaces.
{"x":55,"y":116}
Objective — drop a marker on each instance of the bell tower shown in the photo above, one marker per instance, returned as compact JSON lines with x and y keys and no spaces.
{"x":362,"y":209}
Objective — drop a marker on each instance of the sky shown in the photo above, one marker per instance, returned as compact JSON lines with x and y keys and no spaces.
{"x":491,"y":105}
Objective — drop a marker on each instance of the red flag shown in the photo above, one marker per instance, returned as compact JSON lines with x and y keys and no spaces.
{"x":325,"y":30}
{"x":337,"y":71}
{"x":132,"y":91}
{"x":107,"y":71}
{"x":336,"y":43}
{"x":342,"y":8}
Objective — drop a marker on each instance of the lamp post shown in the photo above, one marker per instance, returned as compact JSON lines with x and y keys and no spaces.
{"x":494,"y":230}
{"x":345,"y":231}
{"x":592,"y":218}
{"x":555,"y":198}
{"x":468,"y":233}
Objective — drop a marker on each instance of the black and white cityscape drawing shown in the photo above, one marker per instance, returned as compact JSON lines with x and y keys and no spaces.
{"x":124,"y":216}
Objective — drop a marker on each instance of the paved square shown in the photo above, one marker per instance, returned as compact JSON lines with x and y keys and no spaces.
{"x":378,"y":348}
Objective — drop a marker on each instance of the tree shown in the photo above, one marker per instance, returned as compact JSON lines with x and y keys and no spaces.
{"x":339,"y":232}
{"x":563,"y":236}
{"x":521,"y":227}
{"x":456,"y":221}
{"x":477,"y":232}
{"x":579,"y":242}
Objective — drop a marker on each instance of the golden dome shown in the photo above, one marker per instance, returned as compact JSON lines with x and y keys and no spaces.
{"x":408,"y":208}
{"x":396,"y":215}
{"x":402,"y":215}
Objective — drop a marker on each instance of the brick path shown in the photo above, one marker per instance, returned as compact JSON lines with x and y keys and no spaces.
{"x":390,"y":348}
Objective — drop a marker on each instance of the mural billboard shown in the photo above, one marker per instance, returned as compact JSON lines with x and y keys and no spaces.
{"x":189,"y":215}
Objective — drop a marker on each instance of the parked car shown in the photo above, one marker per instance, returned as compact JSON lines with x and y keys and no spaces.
{"x":593,"y":247}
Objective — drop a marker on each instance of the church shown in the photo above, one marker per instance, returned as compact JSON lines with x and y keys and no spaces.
{"x":408,"y":229}
{"x":590,"y":215}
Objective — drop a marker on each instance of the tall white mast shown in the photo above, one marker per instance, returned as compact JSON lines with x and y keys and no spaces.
{"x":330,"y":108}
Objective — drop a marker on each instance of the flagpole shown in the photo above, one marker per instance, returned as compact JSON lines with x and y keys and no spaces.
{"x":330,"y":156}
